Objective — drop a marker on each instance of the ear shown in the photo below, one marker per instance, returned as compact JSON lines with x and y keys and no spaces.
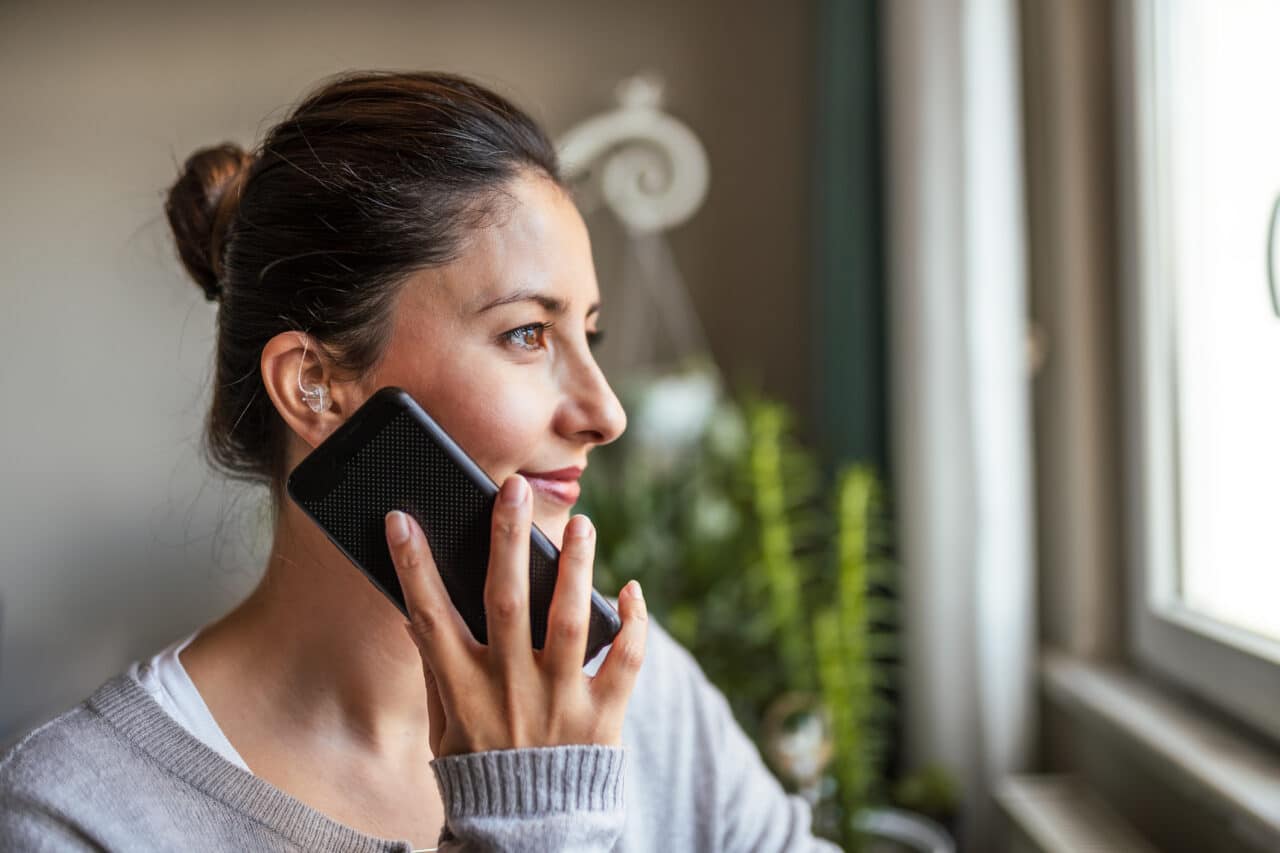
{"x":293,"y":358}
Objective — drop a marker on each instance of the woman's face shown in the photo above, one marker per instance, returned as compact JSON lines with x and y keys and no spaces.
{"x":495,"y":346}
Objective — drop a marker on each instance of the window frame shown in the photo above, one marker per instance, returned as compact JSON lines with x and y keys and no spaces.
{"x":1233,"y":669}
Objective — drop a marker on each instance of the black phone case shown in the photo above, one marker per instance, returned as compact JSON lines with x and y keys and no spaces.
{"x":389,"y":455}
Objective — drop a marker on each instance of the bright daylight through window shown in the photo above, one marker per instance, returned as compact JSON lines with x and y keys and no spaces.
{"x":1218,"y":184}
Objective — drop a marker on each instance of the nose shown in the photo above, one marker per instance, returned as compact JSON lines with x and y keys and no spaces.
{"x":591,"y":411}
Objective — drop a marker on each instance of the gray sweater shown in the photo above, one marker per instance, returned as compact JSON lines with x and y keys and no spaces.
{"x":118,"y":773}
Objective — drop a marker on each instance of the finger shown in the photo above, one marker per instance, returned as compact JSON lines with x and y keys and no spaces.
{"x":569,"y":618}
{"x":436,"y":715}
{"x":436,"y":626}
{"x":617,"y":675}
{"x":506,"y":583}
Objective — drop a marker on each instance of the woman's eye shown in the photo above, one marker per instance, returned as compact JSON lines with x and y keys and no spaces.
{"x":533,"y":336}
{"x":530,"y":337}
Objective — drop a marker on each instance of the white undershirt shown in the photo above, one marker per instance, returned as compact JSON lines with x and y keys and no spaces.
{"x":166,"y":679}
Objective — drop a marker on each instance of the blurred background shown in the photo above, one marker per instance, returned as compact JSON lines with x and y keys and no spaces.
{"x":945,"y":329}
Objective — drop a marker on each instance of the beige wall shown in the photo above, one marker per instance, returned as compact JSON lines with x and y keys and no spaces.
{"x":113,"y":538}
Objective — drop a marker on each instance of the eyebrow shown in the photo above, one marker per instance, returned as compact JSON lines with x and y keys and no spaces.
{"x":526,"y":294}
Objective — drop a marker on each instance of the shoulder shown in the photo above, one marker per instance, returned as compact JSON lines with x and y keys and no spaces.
{"x":47,"y":751}
{"x":672,"y":699}
{"x":61,"y":786}
{"x":70,"y":756}
{"x":668,"y":662}
{"x":669,"y":665}
{"x":697,"y":775}
{"x":668,"y":674}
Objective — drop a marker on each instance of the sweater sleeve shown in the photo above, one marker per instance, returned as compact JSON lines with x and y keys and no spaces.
{"x":566,"y":798}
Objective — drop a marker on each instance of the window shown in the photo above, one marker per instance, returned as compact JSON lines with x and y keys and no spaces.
{"x":1203,"y":324}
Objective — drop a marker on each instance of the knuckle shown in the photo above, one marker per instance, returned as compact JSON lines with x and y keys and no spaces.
{"x":580,"y":564}
{"x":569,"y":630}
{"x":506,"y":527}
{"x":575,"y":568}
{"x":580,"y":547}
{"x":504,"y":608}
{"x":631,"y":657}
{"x":409,"y":559}
{"x":423,"y":622}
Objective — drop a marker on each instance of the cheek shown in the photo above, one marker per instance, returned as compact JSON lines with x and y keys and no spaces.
{"x":498,"y":413}
{"x":502,"y":426}
{"x":505,"y":430}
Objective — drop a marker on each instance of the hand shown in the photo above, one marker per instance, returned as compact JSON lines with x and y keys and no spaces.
{"x":507,"y":694}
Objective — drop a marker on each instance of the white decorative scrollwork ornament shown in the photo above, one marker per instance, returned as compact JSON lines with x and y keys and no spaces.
{"x":649,"y":168}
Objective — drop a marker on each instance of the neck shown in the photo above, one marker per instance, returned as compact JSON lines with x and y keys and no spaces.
{"x":317,"y":647}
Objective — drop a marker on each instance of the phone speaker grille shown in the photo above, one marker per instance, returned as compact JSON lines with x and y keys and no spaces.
{"x":453,"y":511}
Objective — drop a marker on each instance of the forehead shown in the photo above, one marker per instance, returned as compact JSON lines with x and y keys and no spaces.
{"x":536,"y":240}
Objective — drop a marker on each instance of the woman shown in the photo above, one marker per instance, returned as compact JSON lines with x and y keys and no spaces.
{"x":408,"y":230}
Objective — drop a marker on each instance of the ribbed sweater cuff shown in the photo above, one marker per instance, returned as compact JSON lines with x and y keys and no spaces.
{"x":531,"y":781}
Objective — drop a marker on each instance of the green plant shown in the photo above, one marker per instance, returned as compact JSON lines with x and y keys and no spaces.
{"x":854,"y":646}
{"x":756,"y":565}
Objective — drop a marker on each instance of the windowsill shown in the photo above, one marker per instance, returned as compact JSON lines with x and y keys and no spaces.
{"x":1232,"y":774}
{"x":1057,"y":814}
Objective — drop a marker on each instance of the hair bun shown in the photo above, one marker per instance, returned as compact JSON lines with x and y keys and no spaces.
{"x":200,"y":207}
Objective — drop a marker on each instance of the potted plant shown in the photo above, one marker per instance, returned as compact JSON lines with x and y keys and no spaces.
{"x":776,"y":579}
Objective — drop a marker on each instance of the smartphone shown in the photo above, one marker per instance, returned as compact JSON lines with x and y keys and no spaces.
{"x":390,"y":454}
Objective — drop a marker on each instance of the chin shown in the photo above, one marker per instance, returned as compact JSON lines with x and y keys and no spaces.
{"x":552,"y":521}
{"x":558,"y":515}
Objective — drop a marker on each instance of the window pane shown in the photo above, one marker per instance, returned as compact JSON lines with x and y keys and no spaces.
{"x":1220,"y":141}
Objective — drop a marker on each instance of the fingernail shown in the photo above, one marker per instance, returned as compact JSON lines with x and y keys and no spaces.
{"x":513,"y":490}
{"x":580,"y":527}
{"x":397,"y":527}
{"x":633,"y":590}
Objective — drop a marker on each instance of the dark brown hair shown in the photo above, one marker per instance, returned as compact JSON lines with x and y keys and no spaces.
{"x":371,"y":178}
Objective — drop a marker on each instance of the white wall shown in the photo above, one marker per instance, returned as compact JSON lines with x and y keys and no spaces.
{"x":113,"y":537}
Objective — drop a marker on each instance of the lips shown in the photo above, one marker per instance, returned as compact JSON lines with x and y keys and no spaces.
{"x":560,"y":485}
{"x":570,"y":473}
